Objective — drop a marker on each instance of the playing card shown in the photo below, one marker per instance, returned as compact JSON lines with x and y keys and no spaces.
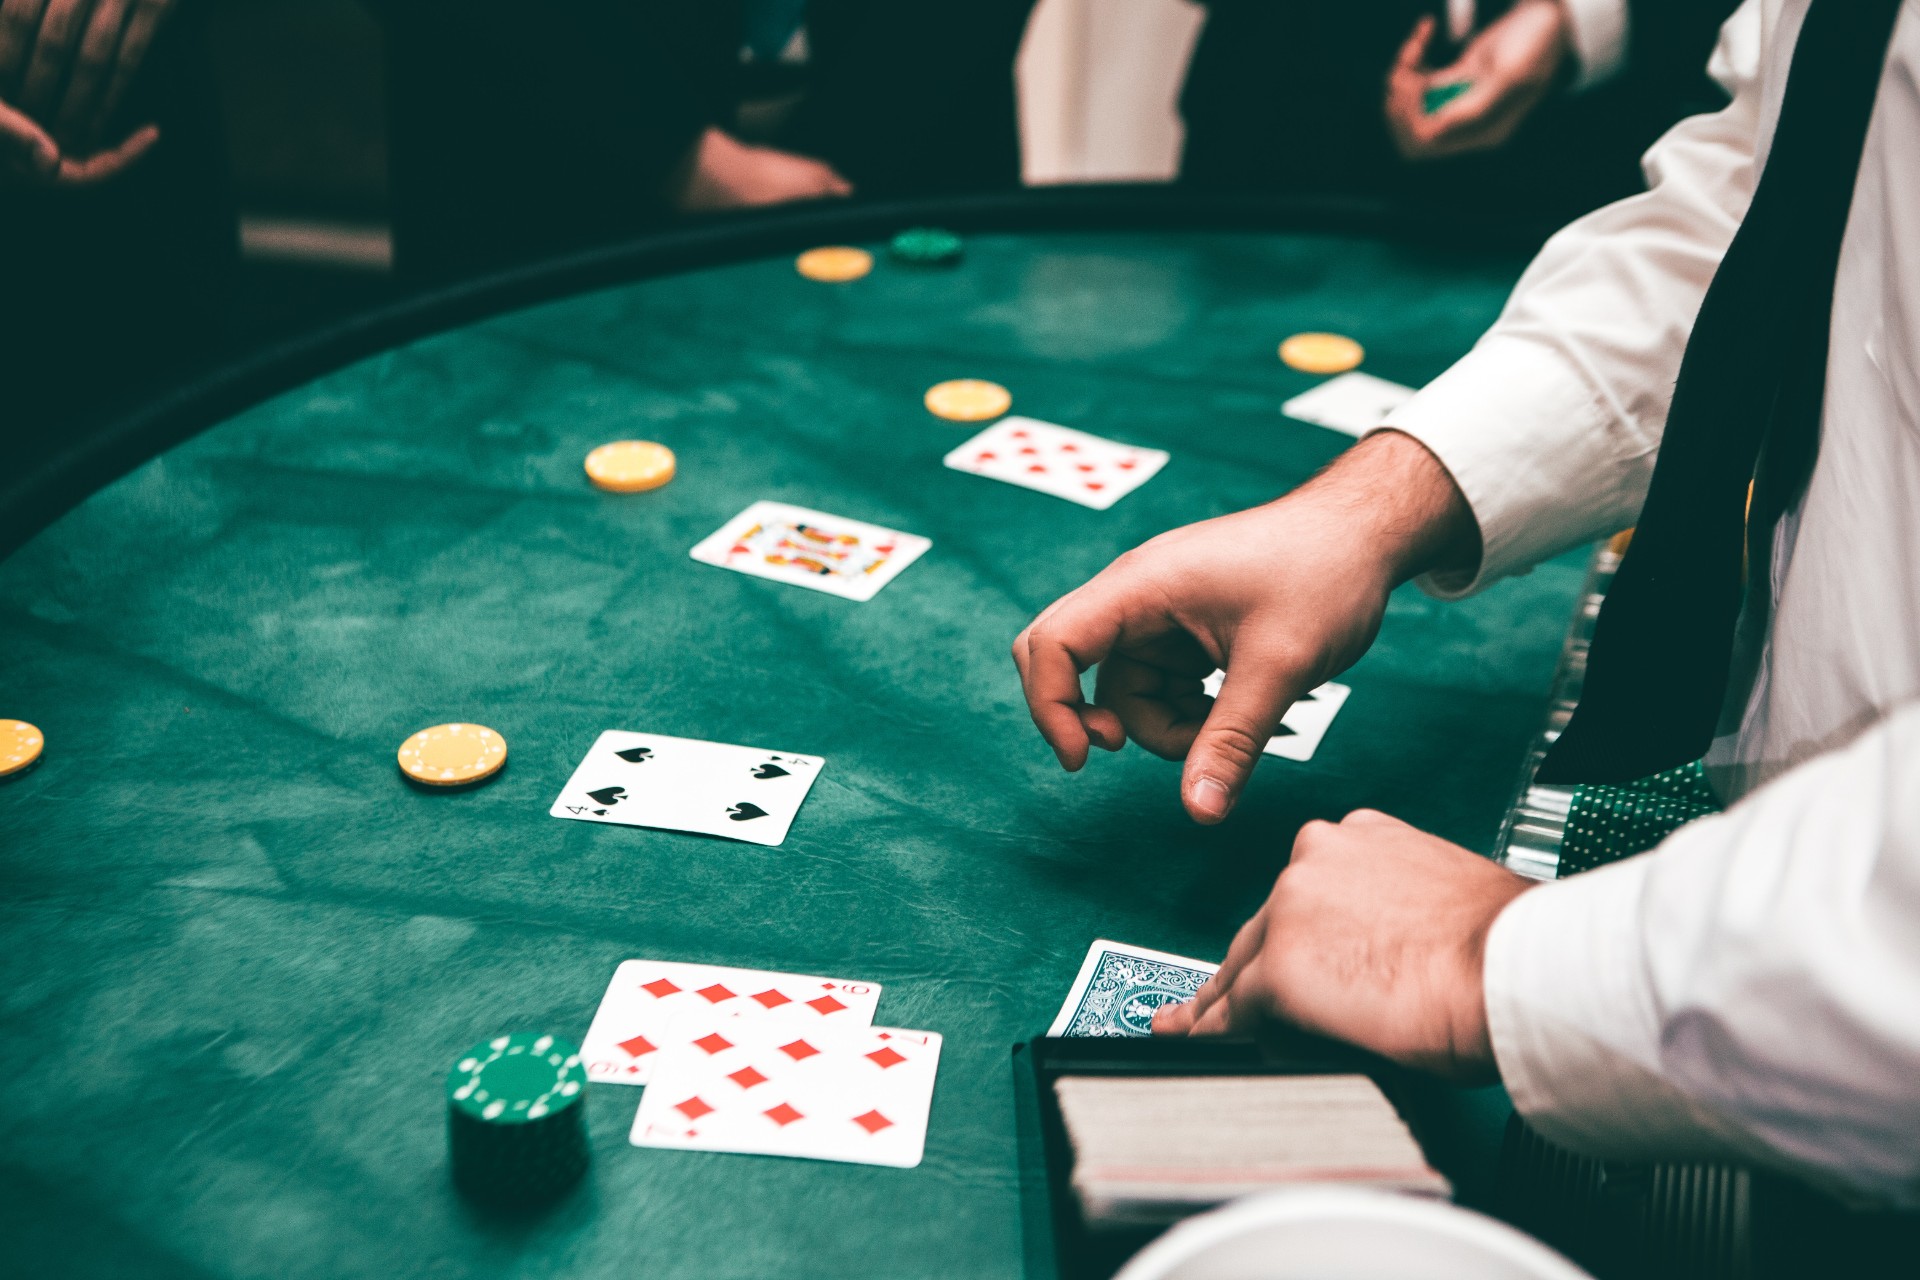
{"x":1120,"y":987}
{"x":764,"y":1087}
{"x":1354,"y":403}
{"x":811,"y":549}
{"x":1058,"y":460}
{"x":1305,"y":723}
{"x":684,"y":784}
{"x":655,"y":1005}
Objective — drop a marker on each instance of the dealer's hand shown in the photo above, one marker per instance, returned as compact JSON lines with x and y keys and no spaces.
{"x":1282,"y":596}
{"x":1375,"y":934}
{"x":1509,"y":67}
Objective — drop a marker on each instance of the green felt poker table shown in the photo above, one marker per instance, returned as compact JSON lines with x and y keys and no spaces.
{"x":241,"y":952}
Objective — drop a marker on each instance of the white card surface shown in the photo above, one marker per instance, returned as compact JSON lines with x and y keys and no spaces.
{"x":762,"y":1087}
{"x":1353,"y":403}
{"x":684,"y":784}
{"x":1304,"y":724}
{"x":1120,"y":988}
{"x":812,"y":549}
{"x":1058,"y":460}
{"x":652,"y":1006}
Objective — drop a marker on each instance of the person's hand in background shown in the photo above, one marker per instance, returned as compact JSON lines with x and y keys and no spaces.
{"x":724,"y":173}
{"x":65,"y":67}
{"x":1508,"y":68}
{"x":1375,"y":934}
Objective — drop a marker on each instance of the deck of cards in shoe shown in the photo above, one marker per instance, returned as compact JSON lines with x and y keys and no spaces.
{"x":841,"y":557}
{"x":684,"y":784}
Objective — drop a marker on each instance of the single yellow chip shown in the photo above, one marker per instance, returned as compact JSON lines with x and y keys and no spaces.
{"x":834,"y":263}
{"x":968,"y":400}
{"x":630,"y":466}
{"x":453,"y":755}
{"x":20,"y":746}
{"x":1322,"y":352}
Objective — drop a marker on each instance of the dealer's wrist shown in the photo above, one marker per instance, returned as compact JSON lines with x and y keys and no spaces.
{"x":1401,"y":506}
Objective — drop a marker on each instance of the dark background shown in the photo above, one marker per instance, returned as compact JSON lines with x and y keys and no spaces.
{"x":302,"y":87}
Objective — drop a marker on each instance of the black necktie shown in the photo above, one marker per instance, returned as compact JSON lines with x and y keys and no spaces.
{"x":1746,"y":408}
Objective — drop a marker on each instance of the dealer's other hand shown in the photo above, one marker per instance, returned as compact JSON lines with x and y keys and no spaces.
{"x":1509,"y":67}
{"x":1282,"y":597}
{"x":1375,"y":934}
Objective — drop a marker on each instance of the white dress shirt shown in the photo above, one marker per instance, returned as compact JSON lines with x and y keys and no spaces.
{"x":1751,"y":987}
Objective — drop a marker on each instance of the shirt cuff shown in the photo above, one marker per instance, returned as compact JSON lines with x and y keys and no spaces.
{"x":1597,"y":30}
{"x":1518,"y":429}
{"x":1575,"y":1030}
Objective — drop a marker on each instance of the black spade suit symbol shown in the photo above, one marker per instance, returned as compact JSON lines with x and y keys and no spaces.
{"x":608,"y":795}
{"x":745,"y":811}
{"x":636,"y":755}
{"x":770,"y":771}
{"x":1284,"y":732}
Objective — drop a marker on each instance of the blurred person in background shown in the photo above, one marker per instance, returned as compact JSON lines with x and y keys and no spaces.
{"x":519,"y":131}
{"x":116,"y":217}
{"x":1561,"y":98}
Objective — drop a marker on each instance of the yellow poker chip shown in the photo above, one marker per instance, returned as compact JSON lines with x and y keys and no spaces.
{"x":453,"y":755}
{"x":968,"y":400}
{"x":1322,"y":352}
{"x":20,"y":746}
{"x":834,"y":263}
{"x":630,"y":466}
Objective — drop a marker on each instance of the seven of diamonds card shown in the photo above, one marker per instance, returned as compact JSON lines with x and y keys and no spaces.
{"x":1305,"y":723}
{"x":764,"y":1086}
{"x":655,"y":1005}
{"x":684,"y":784}
{"x":1121,"y":987}
{"x":811,"y":549}
{"x":1058,"y":460}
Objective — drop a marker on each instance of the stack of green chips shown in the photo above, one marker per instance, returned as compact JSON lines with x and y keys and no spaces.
{"x":516,"y":1119}
{"x":926,"y":247}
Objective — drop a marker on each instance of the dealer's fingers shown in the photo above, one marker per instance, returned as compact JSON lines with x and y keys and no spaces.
{"x":1258,"y":689}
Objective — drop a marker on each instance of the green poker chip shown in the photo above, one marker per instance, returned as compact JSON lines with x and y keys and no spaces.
{"x":517,"y":1079}
{"x":927,"y":247}
{"x":516,"y":1118}
{"x":1441,"y":94}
